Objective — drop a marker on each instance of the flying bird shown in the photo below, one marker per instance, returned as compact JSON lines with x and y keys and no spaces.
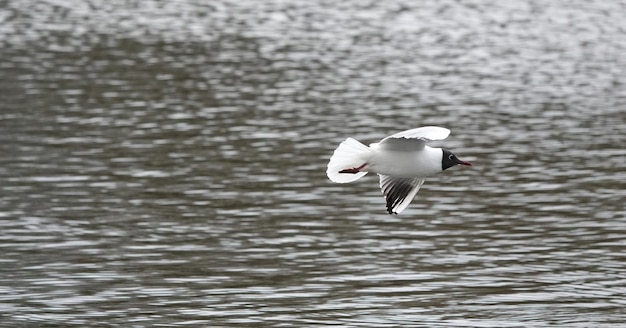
{"x":402,"y":160}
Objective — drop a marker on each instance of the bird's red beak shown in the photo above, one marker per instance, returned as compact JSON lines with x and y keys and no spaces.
{"x":465,"y":163}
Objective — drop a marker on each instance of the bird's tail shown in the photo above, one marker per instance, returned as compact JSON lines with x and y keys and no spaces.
{"x":347,"y":161}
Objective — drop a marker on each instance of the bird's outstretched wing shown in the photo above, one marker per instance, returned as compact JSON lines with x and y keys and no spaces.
{"x":399,"y":192}
{"x":413,"y":139}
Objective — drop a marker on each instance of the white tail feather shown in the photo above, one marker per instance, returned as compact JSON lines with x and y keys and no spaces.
{"x":350,"y":154}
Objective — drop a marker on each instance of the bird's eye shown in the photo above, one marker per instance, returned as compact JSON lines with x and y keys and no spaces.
{"x":451,"y":157}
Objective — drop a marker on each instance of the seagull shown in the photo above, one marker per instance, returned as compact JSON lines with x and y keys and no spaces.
{"x":402,"y":160}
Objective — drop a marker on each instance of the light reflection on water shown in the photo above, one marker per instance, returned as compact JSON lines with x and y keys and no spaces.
{"x":163,"y":164}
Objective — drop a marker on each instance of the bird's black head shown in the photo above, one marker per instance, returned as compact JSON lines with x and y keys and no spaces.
{"x":449,"y":160}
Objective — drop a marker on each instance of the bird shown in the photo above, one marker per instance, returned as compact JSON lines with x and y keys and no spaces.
{"x":402,"y":161}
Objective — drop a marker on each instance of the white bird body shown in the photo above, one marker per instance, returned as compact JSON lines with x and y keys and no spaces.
{"x":402,"y":161}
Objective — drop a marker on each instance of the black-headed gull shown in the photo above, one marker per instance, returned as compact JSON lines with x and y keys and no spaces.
{"x":403,"y":161}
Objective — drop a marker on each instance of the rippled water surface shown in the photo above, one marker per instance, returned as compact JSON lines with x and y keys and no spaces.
{"x":162,"y":163}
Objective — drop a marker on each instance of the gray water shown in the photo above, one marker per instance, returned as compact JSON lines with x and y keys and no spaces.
{"x":162,"y":163}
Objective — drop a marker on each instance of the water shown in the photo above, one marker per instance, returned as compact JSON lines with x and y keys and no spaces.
{"x":163,"y":164}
